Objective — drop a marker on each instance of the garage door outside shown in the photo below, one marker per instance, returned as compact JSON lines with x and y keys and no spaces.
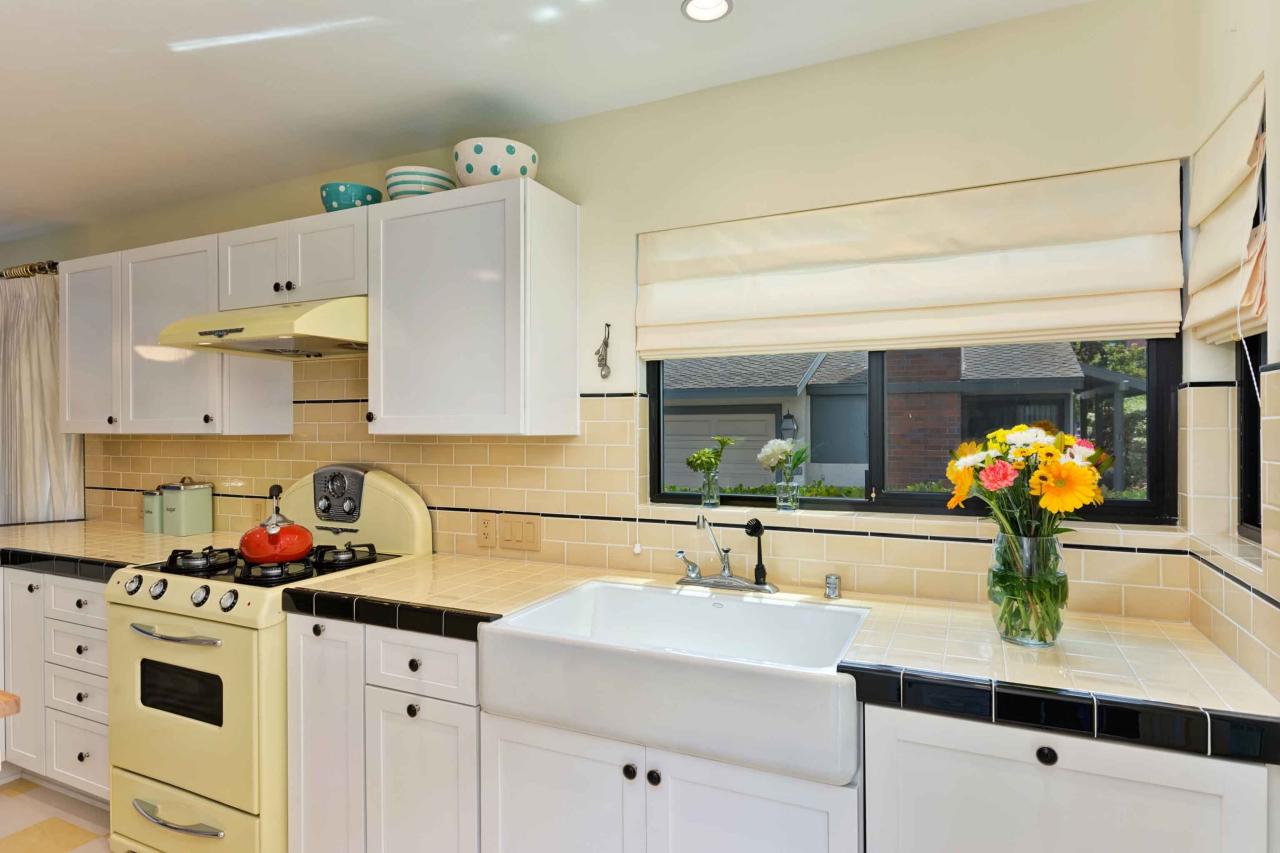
{"x":686,"y":432}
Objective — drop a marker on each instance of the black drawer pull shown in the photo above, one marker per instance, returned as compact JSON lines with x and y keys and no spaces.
{"x":414,"y":664}
{"x":277,"y":287}
{"x":412,"y":710}
{"x":32,"y":587}
{"x":629,"y":771}
{"x":81,"y":604}
{"x":1047,"y":755}
{"x":654,"y":777}
{"x":80,"y":697}
{"x":317,"y":629}
{"x":81,"y":649}
{"x":82,"y":757}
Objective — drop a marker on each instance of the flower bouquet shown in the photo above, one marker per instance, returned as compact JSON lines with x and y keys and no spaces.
{"x":785,"y":455}
{"x":1032,"y":478}
{"x":707,"y":463}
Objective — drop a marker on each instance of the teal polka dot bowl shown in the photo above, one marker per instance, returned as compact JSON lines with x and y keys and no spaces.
{"x":342,"y":196}
{"x":486,"y":159}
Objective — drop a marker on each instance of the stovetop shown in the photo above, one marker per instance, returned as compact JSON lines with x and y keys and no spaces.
{"x":226,"y":564}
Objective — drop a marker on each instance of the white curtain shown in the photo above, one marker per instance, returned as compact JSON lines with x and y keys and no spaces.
{"x":1095,"y":255}
{"x":41,"y":469}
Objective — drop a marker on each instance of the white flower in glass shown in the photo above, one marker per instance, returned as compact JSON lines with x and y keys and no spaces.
{"x":782,"y":453}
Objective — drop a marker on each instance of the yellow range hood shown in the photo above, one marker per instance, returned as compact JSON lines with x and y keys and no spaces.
{"x":333,"y":328}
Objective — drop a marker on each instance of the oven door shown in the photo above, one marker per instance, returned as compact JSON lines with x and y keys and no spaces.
{"x":184,"y":703}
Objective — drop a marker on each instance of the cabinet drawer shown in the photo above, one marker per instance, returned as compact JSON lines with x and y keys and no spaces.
{"x":439,"y":667}
{"x":75,"y":692}
{"x":76,"y":646}
{"x":73,"y":600}
{"x":167,"y":818}
{"x":76,"y":752}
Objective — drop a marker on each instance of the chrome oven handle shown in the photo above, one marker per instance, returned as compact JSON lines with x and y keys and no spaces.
{"x":149,"y":811}
{"x":150,"y":631}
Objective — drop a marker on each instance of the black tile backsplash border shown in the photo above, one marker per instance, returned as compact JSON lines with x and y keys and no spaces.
{"x":62,"y":565}
{"x":1142,"y":722}
{"x":385,"y":613}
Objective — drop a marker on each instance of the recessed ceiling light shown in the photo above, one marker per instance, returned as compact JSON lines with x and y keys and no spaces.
{"x":546,"y":14}
{"x":706,"y":11}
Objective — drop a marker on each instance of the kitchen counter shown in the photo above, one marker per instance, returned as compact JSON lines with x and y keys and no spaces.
{"x":105,"y":540}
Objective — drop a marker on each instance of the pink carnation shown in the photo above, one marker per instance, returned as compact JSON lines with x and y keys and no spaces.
{"x":1085,"y":443}
{"x":998,"y":475}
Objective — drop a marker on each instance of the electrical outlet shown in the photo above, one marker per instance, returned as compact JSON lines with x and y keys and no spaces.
{"x":520,"y":532}
{"x":486,"y":529}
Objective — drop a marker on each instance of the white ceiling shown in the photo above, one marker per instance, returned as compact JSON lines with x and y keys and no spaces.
{"x":102,"y":116}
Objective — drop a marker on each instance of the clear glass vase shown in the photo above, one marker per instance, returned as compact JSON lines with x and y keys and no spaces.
{"x":788,"y":496}
{"x":1027,"y":588}
{"x":711,"y":489}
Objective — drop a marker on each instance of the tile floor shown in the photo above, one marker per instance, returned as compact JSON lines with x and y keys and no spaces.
{"x":35,"y":819}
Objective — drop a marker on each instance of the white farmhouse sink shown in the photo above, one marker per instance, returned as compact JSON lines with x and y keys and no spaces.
{"x":746,"y":679}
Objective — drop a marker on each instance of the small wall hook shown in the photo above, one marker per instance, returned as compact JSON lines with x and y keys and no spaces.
{"x":602,"y":354}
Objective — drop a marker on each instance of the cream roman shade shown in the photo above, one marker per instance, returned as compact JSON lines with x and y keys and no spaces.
{"x":1087,"y":256}
{"x":1226,"y":282}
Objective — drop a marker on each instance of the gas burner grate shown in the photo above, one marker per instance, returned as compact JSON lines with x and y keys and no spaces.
{"x":332,"y":558}
{"x":272,"y":574}
{"x":204,"y":563}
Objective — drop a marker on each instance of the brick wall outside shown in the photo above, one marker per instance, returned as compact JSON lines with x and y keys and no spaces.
{"x":922,"y":428}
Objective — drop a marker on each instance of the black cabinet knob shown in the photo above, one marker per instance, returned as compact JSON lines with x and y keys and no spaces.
{"x":82,"y":757}
{"x":208,"y":419}
{"x":317,"y":629}
{"x":277,"y":287}
{"x":629,"y":771}
{"x":81,"y":604}
{"x":414,"y":664}
{"x":370,"y":417}
{"x":412,"y":710}
{"x":654,"y":777}
{"x":288,"y":285}
{"x":32,"y":587}
{"x":1047,"y":755}
{"x":81,"y":649}
{"x":111,"y":419}
{"x":80,"y":697}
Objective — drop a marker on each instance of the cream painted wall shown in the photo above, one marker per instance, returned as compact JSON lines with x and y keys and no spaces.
{"x":1091,"y":86}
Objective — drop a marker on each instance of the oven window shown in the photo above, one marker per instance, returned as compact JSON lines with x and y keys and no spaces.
{"x":185,"y":692}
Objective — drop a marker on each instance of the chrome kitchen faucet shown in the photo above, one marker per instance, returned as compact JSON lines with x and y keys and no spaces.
{"x":726,"y":579}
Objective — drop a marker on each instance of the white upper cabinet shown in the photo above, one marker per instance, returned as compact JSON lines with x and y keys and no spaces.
{"x":168,"y":390}
{"x":116,"y":378}
{"x":88,"y":347}
{"x":302,"y":260}
{"x":473,"y":313}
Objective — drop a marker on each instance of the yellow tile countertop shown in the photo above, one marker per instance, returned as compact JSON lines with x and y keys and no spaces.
{"x":1121,"y":656}
{"x":105,"y":540}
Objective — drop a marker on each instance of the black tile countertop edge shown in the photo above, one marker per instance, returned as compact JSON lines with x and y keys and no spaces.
{"x":59,"y":564}
{"x":1182,"y":728}
{"x":422,"y":619}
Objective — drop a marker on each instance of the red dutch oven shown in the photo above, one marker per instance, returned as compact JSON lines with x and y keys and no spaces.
{"x":277,"y":539}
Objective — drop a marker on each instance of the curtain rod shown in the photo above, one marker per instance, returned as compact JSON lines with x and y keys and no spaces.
{"x":28,"y":270}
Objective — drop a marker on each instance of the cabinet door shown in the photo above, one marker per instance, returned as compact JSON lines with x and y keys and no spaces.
{"x":445,"y":309}
{"x":326,"y":735}
{"x":166,"y":389}
{"x":547,"y":790}
{"x":253,"y":266}
{"x":936,"y":783}
{"x":705,"y":805}
{"x":328,"y":256}
{"x":421,"y":774}
{"x":89,"y":344}
{"x":24,"y":667}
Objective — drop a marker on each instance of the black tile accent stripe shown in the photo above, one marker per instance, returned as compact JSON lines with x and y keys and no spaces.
{"x":421,"y":619}
{"x":1257,"y":593}
{"x":1224,"y":383}
{"x":336,"y":400}
{"x":1181,"y":728}
{"x":85,"y":568}
{"x":640,"y":394}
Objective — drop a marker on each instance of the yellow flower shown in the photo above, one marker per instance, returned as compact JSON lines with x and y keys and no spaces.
{"x":962,"y":478}
{"x":1019,"y":465}
{"x":1020,"y":453}
{"x":1046,"y":453}
{"x":1063,"y":487}
{"x":967,"y":448}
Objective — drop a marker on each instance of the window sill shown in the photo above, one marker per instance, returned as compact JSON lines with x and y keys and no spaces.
{"x":900,"y":524}
{"x":1235,"y":554}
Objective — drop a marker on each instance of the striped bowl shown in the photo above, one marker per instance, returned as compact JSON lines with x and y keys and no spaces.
{"x":405,"y":181}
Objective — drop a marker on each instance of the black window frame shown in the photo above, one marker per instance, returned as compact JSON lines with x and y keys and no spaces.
{"x":1164,"y":372}
{"x":1249,"y":436}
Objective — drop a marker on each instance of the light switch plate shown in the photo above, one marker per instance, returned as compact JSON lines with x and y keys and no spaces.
{"x":520,"y":532}
{"x":486,"y":529}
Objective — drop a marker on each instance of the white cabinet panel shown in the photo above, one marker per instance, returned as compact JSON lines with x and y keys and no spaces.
{"x":75,"y":600}
{"x":88,"y":346}
{"x":166,"y":389}
{"x":552,"y":791}
{"x":253,"y":266}
{"x":705,"y":805}
{"x":328,"y":256}
{"x":326,"y":735}
{"x":937,"y":783}
{"x":440,"y":667}
{"x":24,"y":667}
{"x":75,"y":692}
{"x":76,"y":646}
{"x":422,"y":774}
{"x":77,"y":751}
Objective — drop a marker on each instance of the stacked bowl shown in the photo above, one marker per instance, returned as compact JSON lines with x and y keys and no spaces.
{"x":405,"y":181}
{"x":484,"y":159}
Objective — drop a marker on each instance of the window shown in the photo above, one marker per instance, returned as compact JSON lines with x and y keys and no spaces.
{"x":1249,"y":357}
{"x":881,"y":426}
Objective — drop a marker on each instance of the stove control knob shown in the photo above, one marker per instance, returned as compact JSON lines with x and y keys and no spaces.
{"x":228,"y":600}
{"x":133,"y":584}
{"x":348,"y":506}
{"x":158,"y":588}
{"x":200,"y":595}
{"x":323,"y":504}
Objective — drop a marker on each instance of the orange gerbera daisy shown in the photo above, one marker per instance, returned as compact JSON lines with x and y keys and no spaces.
{"x":1063,"y":487}
{"x":962,"y":479}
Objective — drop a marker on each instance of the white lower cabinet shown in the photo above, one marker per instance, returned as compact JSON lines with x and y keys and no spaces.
{"x":545,"y":789}
{"x":937,"y":783}
{"x":24,"y":667}
{"x":76,"y":751}
{"x":421,"y":785}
